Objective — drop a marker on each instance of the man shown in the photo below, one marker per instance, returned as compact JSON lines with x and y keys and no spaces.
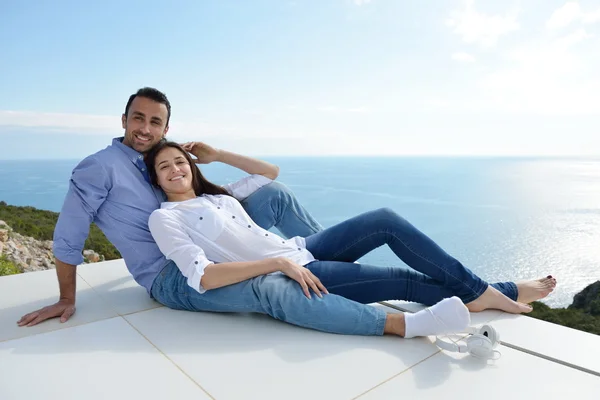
{"x":112,"y":188}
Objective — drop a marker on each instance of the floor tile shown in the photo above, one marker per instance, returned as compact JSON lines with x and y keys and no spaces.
{"x":23,"y":293}
{"x":101,"y":360}
{"x":241,"y":356}
{"x":113,"y":282}
{"x":516,"y":375}
{"x":551,"y":340}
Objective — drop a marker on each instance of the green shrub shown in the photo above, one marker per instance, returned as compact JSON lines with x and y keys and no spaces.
{"x":570,"y":317}
{"x":7,"y":268}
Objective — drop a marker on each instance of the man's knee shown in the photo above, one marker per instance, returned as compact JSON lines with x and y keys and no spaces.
{"x":276,"y":188}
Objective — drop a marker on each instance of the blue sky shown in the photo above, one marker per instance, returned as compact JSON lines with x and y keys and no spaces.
{"x":313,"y":77}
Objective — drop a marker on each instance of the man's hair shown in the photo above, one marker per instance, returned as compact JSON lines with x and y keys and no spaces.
{"x":152,"y":94}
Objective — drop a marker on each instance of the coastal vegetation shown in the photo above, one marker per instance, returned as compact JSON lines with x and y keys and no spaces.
{"x":39,"y":224}
{"x":7,"y":267}
{"x":583,"y":314}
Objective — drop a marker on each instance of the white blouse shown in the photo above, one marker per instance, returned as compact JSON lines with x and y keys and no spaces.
{"x":212,"y":229}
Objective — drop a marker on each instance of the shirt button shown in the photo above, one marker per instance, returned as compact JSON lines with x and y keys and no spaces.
{"x":201,"y":218}
{"x":218,"y":208}
{"x":143,"y":169}
{"x":249,"y":226}
{"x":282,"y":242}
{"x":195,"y":262}
{"x":299,"y":248}
{"x":233,"y":216}
{"x":140,"y":157}
{"x":266,"y":234}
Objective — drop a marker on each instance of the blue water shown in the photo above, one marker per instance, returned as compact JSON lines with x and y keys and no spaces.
{"x":503,"y":218}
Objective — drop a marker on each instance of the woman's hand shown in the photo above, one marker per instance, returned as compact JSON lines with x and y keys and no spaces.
{"x":204,"y":153}
{"x":303,"y":276}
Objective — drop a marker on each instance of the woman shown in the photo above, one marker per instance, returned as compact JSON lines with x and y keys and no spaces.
{"x":223,"y":262}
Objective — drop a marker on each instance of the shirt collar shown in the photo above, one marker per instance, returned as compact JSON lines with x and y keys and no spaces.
{"x":132,"y":154}
{"x":169,"y":205}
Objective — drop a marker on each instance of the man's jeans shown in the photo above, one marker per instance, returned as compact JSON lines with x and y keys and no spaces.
{"x":434,"y":275}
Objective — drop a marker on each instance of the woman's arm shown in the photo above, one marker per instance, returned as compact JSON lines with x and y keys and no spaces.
{"x":206,"y":154}
{"x":201,"y":273}
{"x":229,"y":273}
{"x":219,"y":275}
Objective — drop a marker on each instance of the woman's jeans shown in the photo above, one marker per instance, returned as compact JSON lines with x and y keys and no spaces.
{"x":433,"y":276}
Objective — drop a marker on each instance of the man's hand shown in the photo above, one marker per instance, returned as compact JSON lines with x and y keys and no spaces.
{"x":63,"y":309}
{"x":303,"y":276}
{"x":204,"y":153}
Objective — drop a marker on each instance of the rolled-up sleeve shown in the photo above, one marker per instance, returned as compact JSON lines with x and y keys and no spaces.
{"x":177,"y":245}
{"x":247,"y":185}
{"x":88,"y":188}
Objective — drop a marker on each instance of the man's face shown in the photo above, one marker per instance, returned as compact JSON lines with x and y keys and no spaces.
{"x":145,"y":124}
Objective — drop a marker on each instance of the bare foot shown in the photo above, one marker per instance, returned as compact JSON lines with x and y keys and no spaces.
{"x":535,"y":289}
{"x":493,"y":299}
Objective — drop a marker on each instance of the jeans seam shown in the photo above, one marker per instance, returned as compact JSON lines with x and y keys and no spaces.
{"x":344,"y":285}
{"x":410,"y":249}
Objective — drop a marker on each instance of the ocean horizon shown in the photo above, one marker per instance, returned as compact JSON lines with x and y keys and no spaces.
{"x":506,"y":218}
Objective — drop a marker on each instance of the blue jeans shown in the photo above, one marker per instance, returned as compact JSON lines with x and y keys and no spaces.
{"x":351,"y":285}
{"x":275,"y":205}
{"x":434,"y":275}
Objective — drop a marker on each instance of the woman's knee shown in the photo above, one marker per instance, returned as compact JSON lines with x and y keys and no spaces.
{"x":277,"y":292}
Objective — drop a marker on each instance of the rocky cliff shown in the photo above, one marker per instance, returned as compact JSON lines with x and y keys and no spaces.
{"x":588,"y":300}
{"x":29,"y":254}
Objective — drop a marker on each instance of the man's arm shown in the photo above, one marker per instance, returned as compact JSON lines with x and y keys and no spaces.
{"x":65,"y":307}
{"x":88,"y":189}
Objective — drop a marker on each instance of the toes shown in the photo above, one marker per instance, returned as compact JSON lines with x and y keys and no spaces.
{"x":524,"y":308}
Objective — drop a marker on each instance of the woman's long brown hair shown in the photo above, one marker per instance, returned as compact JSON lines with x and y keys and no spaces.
{"x":199,"y":183}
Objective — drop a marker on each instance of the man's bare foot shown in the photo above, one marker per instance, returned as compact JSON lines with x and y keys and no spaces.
{"x":493,"y":299}
{"x":533,"y":290}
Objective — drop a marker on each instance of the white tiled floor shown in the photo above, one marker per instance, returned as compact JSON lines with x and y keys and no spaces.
{"x":551,"y":340}
{"x":516,"y":375}
{"x":24,"y":293}
{"x":101,"y":360}
{"x":120,"y":345}
{"x":268,"y":359}
{"x":112,"y":281}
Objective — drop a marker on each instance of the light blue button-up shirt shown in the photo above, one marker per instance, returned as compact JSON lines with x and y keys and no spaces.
{"x":112,"y":189}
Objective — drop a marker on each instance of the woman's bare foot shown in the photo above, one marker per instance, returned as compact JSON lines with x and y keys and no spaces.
{"x":533,"y":290}
{"x":493,"y":299}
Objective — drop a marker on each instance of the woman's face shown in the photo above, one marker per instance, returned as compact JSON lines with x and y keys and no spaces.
{"x":173,"y":172}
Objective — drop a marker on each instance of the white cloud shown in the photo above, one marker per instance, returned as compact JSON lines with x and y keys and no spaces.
{"x":361,"y":2}
{"x":571,"y":39}
{"x":564,"y":15}
{"x":351,"y":110}
{"x":72,"y":123}
{"x":591,"y":17}
{"x":463,"y":57}
{"x":570,"y":12}
{"x":479,"y":28}
{"x":547,"y":77}
{"x":110,"y":126}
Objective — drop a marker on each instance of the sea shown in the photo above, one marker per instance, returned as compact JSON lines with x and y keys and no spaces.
{"x":504,"y":218}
